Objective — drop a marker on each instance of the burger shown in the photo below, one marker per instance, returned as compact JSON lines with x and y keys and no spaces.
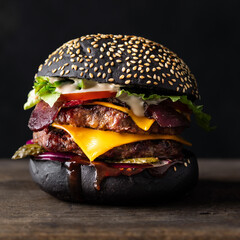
{"x":109,"y":111}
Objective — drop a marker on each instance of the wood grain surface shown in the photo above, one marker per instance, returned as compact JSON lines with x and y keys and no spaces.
{"x":211,"y":212}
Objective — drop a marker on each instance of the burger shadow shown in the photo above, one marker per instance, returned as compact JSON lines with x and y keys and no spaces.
{"x":207,"y":193}
{"x":214,"y":192}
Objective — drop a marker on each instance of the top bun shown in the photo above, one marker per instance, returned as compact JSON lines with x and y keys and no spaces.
{"x":124,"y":60}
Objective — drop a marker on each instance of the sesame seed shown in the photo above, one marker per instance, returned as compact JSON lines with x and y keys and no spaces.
{"x":62,"y":72}
{"x":127,"y":81}
{"x":91,"y":65}
{"x":40,"y":67}
{"x":81,"y":74}
{"x":148,"y":82}
{"x":155,"y":83}
{"x":121,"y":77}
{"x":135,"y":68}
{"x":73,"y":55}
{"x":54,"y":70}
{"x":74,"y":67}
{"x":129,"y":75}
{"x":185,"y":164}
{"x":95,"y":45}
{"x":175,"y":169}
{"x":95,"y":69}
{"x":106,"y":64}
{"x":111,"y":79}
{"x":109,"y":70}
{"x":142,"y":77}
{"x":99,"y":74}
{"x":147,"y":69}
{"x":67,"y":72}
{"x":170,"y":83}
{"x":89,"y":50}
{"x":104,"y":75}
{"x":128,"y":70}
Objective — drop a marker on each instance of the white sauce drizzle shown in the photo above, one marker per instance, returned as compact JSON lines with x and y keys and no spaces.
{"x":135,"y":103}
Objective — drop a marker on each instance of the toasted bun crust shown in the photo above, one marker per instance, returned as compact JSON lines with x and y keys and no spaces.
{"x":54,"y":178}
{"x":121,"y":59}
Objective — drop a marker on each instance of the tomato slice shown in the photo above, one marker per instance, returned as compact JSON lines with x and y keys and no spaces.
{"x":87,"y":95}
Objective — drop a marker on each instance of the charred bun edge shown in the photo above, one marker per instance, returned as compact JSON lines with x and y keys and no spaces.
{"x":54,"y":178}
{"x":122,"y":59}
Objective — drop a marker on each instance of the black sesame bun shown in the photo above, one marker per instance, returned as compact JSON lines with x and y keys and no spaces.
{"x":124,"y":60}
{"x":152,"y":184}
{"x":131,"y":62}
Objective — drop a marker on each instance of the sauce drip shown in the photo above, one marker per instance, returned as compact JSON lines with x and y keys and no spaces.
{"x":104,"y":170}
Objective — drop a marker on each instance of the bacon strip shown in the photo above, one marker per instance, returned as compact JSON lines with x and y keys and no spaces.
{"x":43,"y":115}
{"x":167,"y":116}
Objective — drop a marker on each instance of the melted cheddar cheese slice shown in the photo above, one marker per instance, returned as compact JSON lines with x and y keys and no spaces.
{"x":96,"y":142}
{"x":142,"y":122}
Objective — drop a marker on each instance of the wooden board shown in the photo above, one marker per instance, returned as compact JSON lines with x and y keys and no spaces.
{"x":211,"y":212}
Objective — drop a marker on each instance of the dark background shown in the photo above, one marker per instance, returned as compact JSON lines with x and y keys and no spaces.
{"x":205,"y":33}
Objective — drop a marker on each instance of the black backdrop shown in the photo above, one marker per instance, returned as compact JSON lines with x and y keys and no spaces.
{"x":205,"y":33}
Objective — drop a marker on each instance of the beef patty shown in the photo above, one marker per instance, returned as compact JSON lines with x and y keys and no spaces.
{"x":105,"y":118}
{"x":57,"y":140}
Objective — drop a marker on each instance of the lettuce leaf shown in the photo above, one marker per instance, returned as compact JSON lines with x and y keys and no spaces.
{"x":43,"y":90}
{"x":46,"y":91}
{"x":202,"y":119}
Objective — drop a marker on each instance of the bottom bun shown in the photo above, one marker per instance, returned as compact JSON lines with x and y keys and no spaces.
{"x":76,"y":182}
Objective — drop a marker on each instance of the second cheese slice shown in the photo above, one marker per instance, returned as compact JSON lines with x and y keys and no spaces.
{"x":96,"y":142}
{"x":142,"y":122}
